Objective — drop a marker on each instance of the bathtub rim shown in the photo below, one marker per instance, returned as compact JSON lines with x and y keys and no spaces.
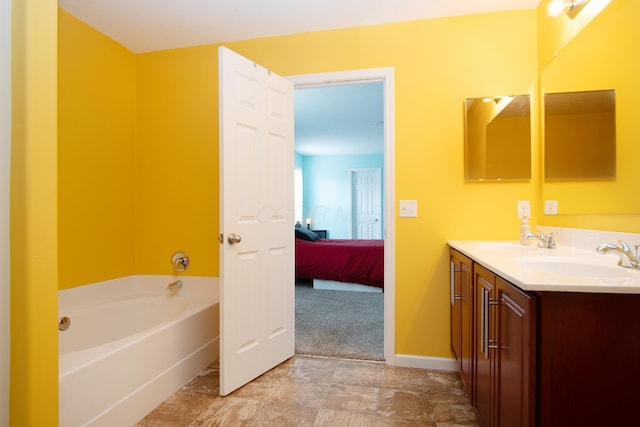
{"x":201,"y":292}
{"x":144,"y":284}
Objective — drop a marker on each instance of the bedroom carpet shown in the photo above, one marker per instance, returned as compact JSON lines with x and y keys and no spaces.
{"x":339,"y":324}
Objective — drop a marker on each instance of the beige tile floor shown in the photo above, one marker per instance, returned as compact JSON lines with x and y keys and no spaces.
{"x":307,"y":391}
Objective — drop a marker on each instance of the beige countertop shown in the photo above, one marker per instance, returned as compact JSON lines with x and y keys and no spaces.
{"x":564,"y":269}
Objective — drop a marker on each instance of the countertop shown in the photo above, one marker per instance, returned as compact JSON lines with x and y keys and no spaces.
{"x":509,"y":260}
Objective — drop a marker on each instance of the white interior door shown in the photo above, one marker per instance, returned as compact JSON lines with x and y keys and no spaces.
{"x":257,"y":309}
{"x":366,"y":204}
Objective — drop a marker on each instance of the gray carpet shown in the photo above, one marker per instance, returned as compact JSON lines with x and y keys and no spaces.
{"x":339,"y":324}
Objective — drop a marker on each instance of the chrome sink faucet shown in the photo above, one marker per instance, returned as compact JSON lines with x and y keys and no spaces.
{"x":544,"y":241}
{"x":628,"y":257}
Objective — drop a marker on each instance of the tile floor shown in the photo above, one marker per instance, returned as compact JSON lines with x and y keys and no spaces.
{"x":308,"y":391}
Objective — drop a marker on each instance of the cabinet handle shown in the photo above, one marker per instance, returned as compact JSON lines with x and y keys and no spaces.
{"x":482,"y":322}
{"x":491,"y":344}
{"x":486,"y":323}
{"x":485,"y":342}
{"x":452,"y":282}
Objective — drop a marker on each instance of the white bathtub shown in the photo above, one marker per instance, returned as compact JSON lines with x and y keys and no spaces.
{"x":130,"y":346}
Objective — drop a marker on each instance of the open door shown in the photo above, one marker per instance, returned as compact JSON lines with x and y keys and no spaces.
{"x":257,"y":307}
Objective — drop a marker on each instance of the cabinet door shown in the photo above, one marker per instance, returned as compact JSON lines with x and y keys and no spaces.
{"x":455,"y":299}
{"x":466,"y":320}
{"x":484,"y":324}
{"x":515,"y":357}
{"x":461,"y":317}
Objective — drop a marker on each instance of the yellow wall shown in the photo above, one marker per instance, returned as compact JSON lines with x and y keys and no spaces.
{"x":33,"y":210}
{"x":177,"y":161}
{"x":438,"y":63}
{"x":96,"y":148}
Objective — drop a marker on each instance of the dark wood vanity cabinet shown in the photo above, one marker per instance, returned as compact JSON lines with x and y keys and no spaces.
{"x":501,"y":332}
{"x":548,"y":359}
{"x":462,"y":316}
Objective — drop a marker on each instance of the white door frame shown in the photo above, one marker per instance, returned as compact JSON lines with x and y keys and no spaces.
{"x":386,"y":76}
{"x":5,"y":164}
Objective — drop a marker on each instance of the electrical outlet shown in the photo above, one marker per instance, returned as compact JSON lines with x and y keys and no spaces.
{"x":408,"y":208}
{"x":551,"y":207}
{"x":524,"y":209}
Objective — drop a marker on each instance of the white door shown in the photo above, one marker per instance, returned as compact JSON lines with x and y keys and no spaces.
{"x":256,"y":220}
{"x":366,"y":204}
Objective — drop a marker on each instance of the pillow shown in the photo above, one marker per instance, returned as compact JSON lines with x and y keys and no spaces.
{"x":304,"y":234}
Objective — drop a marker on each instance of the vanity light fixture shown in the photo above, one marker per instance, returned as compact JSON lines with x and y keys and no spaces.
{"x":570,"y":7}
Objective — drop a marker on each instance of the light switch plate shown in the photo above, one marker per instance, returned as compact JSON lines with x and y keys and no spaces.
{"x":408,"y":208}
{"x":551,"y":207}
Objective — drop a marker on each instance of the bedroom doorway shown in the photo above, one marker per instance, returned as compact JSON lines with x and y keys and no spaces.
{"x":384,"y":76}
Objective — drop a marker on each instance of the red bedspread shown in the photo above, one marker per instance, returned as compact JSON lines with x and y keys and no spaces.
{"x":355,"y":261}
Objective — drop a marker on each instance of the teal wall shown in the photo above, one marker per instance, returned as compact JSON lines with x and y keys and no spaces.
{"x":326,"y":190}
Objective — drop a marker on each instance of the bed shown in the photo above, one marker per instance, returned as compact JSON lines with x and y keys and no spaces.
{"x":342,"y":260}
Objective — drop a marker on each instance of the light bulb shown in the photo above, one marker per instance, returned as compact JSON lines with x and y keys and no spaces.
{"x":556,"y":7}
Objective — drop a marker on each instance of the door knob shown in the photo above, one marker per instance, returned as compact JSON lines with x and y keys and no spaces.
{"x":234,"y":238}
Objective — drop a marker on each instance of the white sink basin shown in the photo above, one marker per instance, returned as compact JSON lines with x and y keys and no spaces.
{"x":568,"y":270}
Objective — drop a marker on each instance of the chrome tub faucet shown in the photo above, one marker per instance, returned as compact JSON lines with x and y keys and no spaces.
{"x":628,"y":258}
{"x":174,"y":286}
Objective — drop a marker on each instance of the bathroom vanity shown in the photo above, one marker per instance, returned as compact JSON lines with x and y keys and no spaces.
{"x":545,"y":337}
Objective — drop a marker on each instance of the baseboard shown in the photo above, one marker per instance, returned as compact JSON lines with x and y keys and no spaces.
{"x":424,"y":362}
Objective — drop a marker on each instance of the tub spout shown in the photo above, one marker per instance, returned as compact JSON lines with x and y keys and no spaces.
{"x":174,"y":286}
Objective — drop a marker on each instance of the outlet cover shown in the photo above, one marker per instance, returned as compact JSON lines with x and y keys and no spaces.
{"x":408,"y":209}
{"x":551,"y":207}
{"x":524,"y":209}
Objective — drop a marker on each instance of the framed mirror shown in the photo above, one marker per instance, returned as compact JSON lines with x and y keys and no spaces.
{"x":580,"y":135}
{"x":497,"y":138}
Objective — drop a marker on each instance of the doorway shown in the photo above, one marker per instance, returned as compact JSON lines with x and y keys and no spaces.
{"x":385,"y":76}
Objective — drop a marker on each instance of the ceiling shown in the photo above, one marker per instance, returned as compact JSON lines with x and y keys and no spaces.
{"x":340,"y":120}
{"x":333,"y":120}
{"x":148,"y":25}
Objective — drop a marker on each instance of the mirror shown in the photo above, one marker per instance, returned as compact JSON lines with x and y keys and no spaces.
{"x":497,"y":138}
{"x":603,"y":56}
{"x":580,"y":135}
